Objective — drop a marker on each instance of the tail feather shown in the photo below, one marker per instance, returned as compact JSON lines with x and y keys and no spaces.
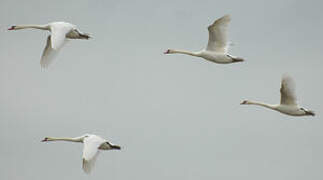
{"x":85,"y":36}
{"x":115,"y":147}
{"x":237,"y":59}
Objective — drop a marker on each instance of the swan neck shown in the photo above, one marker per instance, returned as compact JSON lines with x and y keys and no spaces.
{"x":263,"y":105}
{"x":186,"y":52}
{"x":32,"y":26}
{"x":65,"y":139}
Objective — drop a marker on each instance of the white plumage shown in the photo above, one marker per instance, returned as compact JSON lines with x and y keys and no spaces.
{"x":60,"y":31}
{"x":288,"y":101}
{"x":217,"y":47}
{"x":218,"y":32}
{"x":92,"y":145}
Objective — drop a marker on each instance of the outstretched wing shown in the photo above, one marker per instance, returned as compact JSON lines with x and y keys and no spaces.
{"x":90,"y":152}
{"x":49,"y":54}
{"x":287,"y":91}
{"x":218,"y":35}
{"x":59,"y":31}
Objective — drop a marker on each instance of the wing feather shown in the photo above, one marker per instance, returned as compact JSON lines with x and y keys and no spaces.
{"x":218,"y":35}
{"x":90,"y":152}
{"x":58,"y":36}
{"x":49,"y":54}
{"x":287,"y":91}
{"x":89,"y":164}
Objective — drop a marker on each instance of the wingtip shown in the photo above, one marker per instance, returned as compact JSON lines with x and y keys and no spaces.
{"x":287,"y":79}
{"x":43,"y":66}
{"x":226,"y":17}
{"x":85,"y":167}
{"x":285,"y":75}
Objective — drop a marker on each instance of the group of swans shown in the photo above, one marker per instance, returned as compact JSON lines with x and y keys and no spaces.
{"x":216,"y":51}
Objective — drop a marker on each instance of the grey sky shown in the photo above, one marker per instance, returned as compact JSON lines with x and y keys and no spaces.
{"x":176,"y":117}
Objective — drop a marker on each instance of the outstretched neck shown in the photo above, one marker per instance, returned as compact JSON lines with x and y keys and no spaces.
{"x":185,"y":52}
{"x":64,"y":139}
{"x":32,"y":26}
{"x":270,"y":106}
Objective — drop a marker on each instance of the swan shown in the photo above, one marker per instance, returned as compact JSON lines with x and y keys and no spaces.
{"x":59,"y":32}
{"x":92,"y":143}
{"x":217,"y":47}
{"x":288,"y":102}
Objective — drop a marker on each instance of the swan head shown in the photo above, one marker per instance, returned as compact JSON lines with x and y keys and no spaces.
{"x":12,"y":28}
{"x":307,"y":112}
{"x":245,"y":102}
{"x":46,"y":139}
{"x":169,"y":51}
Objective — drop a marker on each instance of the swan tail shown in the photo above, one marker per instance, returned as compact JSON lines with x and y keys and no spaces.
{"x":85,"y":36}
{"x":237,"y":59}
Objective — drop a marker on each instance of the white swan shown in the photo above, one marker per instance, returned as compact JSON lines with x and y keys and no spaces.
{"x":59,"y":32}
{"x":217,"y":47}
{"x":288,"y":102}
{"x":92,"y":143}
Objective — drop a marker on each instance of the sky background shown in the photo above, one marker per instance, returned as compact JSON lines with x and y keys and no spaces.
{"x":176,"y":117}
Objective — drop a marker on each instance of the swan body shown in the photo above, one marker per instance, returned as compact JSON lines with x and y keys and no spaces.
{"x":288,"y":101}
{"x":217,"y":47}
{"x":92,"y":145}
{"x":60,"y":31}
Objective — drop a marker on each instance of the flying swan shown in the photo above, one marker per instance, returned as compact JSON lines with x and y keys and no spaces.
{"x":288,"y":102}
{"x":60,"y":31}
{"x":92,"y":145}
{"x":217,"y":47}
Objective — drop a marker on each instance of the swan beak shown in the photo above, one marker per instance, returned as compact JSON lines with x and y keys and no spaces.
{"x":12,"y":28}
{"x":167,"y":52}
{"x":243,"y":102}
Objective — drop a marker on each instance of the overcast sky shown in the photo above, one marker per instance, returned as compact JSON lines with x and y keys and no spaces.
{"x":176,"y":117}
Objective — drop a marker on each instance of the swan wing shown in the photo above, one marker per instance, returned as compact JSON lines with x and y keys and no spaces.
{"x":59,"y":31}
{"x":287,"y":91}
{"x":90,"y":152}
{"x":48,"y":54}
{"x":218,"y":35}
